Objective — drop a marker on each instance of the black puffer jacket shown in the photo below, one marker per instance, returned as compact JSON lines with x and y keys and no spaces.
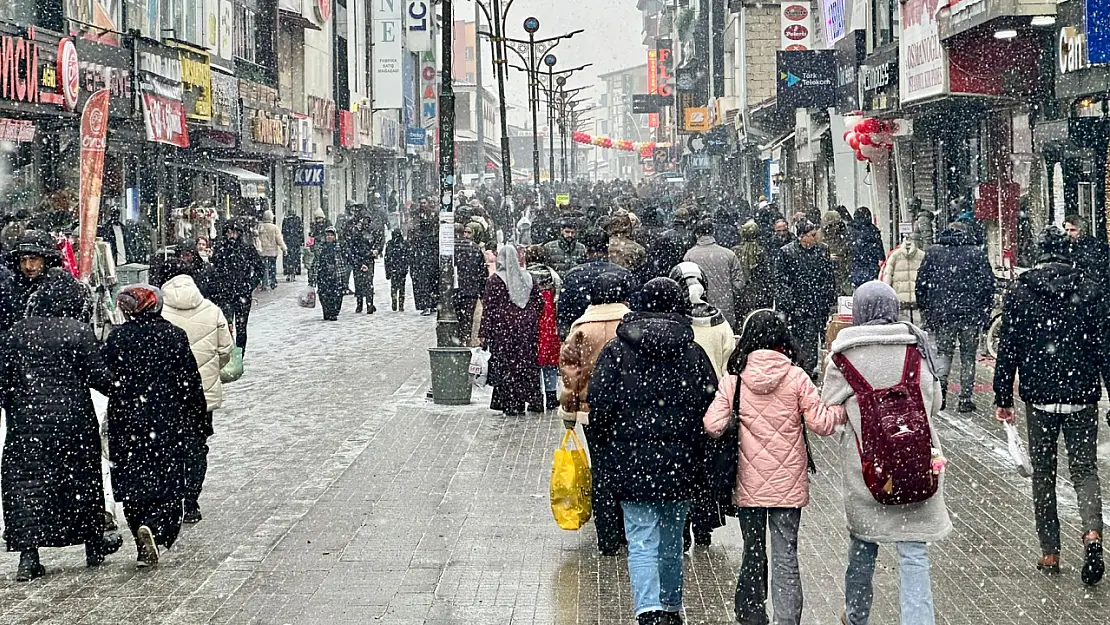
{"x":807,"y":281}
{"x":1056,"y":335}
{"x":52,"y":488}
{"x":955,"y":285}
{"x":471,"y":270}
{"x":1092,"y":257}
{"x":158,"y":399}
{"x":649,"y":391}
{"x":236,"y":269}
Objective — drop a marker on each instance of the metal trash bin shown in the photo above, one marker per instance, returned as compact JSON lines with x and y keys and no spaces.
{"x":450,"y":375}
{"x":133,"y":273}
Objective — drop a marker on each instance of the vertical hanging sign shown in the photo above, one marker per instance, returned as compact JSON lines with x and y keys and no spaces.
{"x":418,"y":31}
{"x":94,"y":130}
{"x":797,"y":26}
{"x":388,"y":82}
{"x":653,"y":84}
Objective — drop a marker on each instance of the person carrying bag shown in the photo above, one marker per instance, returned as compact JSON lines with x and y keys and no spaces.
{"x":771,"y":409}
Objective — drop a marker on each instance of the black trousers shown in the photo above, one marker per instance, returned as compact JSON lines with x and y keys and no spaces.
{"x":238,"y":312}
{"x":331,"y":305}
{"x":162,"y":517}
{"x":196,"y":466}
{"x":608,"y":514}
{"x":808,"y":332}
{"x":464,"y":311}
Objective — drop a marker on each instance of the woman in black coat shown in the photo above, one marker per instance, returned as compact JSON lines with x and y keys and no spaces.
{"x":53,"y":492}
{"x":361,"y":251}
{"x":158,"y":397}
{"x":868,"y":251}
{"x":327,"y":267}
{"x":649,"y":391}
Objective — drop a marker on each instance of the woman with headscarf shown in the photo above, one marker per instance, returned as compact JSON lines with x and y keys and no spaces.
{"x":511,"y":309}
{"x":51,"y":480}
{"x":757,"y":268}
{"x":157,"y":401}
{"x":877,"y":347}
{"x":834,"y":234}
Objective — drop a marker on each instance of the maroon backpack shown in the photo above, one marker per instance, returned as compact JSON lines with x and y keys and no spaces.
{"x":894,"y":442}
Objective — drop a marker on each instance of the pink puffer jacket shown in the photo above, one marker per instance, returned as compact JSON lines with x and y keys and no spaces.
{"x":772,"y":472}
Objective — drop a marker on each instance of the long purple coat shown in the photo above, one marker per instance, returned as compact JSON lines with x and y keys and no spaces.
{"x":511,"y":334}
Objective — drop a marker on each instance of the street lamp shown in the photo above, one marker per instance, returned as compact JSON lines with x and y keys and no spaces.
{"x":550,"y":61}
{"x":495,"y":17}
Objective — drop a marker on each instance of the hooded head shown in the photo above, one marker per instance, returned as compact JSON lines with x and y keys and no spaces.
{"x":609,"y":288}
{"x":874,"y":303}
{"x":318,"y":215}
{"x":659,"y":328}
{"x":268,"y":217}
{"x":1053,"y":246}
{"x":662,"y":295}
{"x":60,"y":296}
{"x":691,"y":276}
{"x":749,"y":232}
{"x":35,"y":253}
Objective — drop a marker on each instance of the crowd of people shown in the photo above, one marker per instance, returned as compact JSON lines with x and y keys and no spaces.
{"x":676,"y":329}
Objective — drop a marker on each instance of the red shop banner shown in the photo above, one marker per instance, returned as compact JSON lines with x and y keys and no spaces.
{"x":347,"y":129}
{"x":94,"y":131}
{"x":165,"y":120}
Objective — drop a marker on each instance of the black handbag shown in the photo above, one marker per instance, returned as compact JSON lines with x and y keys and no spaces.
{"x":724,"y":454}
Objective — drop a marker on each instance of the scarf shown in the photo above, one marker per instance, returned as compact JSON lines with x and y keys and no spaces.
{"x":875,"y":303}
{"x":516,"y":279}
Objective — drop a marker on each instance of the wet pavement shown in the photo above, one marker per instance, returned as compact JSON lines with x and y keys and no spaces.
{"x":337,"y":494}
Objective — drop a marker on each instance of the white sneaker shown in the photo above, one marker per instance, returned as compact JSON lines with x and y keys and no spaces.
{"x":147,"y":548}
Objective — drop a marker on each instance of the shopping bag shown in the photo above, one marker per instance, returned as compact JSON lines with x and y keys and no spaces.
{"x":233,"y":370}
{"x":1018,"y":452}
{"x":479,"y":367}
{"x":307,"y":299}
{"x":571,"y":487}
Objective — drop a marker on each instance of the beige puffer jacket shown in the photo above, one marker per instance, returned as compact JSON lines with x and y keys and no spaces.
{"x":270,"y":241}
{"x":209,"y":338}
{"x":901,"y":272}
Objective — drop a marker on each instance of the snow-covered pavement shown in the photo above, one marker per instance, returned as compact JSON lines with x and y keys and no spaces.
{"x":338,"y":494}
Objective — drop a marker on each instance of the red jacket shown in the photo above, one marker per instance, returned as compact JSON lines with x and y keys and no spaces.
{"x":548,"y":354}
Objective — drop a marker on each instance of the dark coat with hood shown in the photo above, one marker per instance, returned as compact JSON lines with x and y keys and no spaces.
{"x":397,"y":257}
{"x":52,"y":488}
{"x":867,"y":251}
{"x":471,"y":270}
{"x":649,"y":391}
{"x":955,"y":284}
{"x":1055,"y":336}
{"x":236,"y":269}
{"x":328,"y":268}
{"x":158,"y":399}
{"x":807,"y":281}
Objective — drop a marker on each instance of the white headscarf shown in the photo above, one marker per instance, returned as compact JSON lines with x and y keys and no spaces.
{"x":518,"y":281}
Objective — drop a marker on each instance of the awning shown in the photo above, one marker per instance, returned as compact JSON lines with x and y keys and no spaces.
{"x":251,"y":185}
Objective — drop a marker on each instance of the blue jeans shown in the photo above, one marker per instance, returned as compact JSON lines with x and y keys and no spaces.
{"x":550,"y":377}
{"x":916,"y":587}
{"x":654,"y":533}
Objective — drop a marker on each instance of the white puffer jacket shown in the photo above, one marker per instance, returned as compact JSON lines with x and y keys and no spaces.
{"x":901,"y":272}
{"x":204,"y":322}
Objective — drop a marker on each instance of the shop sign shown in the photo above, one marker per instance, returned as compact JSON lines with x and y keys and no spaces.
{"x":850,"y":51}
{"x":160,"y":85}
{"x":308,"y":176}
{"x":387,"y":132}
{"x":94,"y":130}
{"x":322,"y":8}
{"x":225,"y":102}
{"x":196,"y":79}
{"x":105,"y":67}
{"x":265,"y":131}
{"x":879,"y":86}
{"x":419,"y":19}
{"x":796,"y":26}
{"x":388,"y":83}
{"x":923,"y":62}
{"x":1098,"y":39}
{"x":347,"y":129}
{"x":429,"y":76}
{"x":300,"y":137}
{"x":835,"y":20}
{"x":28,"y":71}
{"x":322,"y":113}
{"x":1071,"y":52}
{"x":17,"y":130}
{"x":416,"y":136}
{"x":69,"y":73}
{"x":806,"y":79}
{"x":364,"y":126}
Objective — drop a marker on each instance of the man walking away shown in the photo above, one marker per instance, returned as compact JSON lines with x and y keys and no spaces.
{"x":578,"y":281}
{"x":236,"y":268}
{"x":721,"y":269}
{"x":270,"y":243}
{"x":955,"y":292}
{"x":292,"y":232}
{"x":1055,"y":336}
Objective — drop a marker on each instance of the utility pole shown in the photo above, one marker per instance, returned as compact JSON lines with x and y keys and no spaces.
{"x":446,"y":321}
{"x":498,"y":26}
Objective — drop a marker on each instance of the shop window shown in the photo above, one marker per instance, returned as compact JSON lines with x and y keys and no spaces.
{"x":245,"y":34}
{"x":884,"y":18}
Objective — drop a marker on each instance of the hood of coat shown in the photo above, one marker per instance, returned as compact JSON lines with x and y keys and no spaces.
{"x":765,"y":371}
{"x":60,"y":295}
{"x":952,"y":237}
{"x":601,"y":313}
{"x":181,"y":293}
{"x":1056,"y":281}
{"x":857,"y":336}
{"x":663,"y":336}
{"x":749,"y":232}
{"x":268,"y":217}
{"x":703,"y":314}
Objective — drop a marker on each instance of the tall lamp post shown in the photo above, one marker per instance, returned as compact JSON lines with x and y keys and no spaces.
{"x":495,"y":17}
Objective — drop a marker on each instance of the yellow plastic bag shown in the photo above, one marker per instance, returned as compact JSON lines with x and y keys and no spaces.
{"x":571,"y":485}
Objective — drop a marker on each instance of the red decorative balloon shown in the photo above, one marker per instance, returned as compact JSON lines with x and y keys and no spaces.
{"x":854,"y":141}
{"x":860,"y":157}
{"x":865,"y":140}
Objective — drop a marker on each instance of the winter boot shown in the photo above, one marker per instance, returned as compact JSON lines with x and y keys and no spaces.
{"x":370,"y":307}
{"x":358,"y":305}
{"x":393,"y":297}
{"x":965,"y":405}
{"x":192,"y":513}
{"x":29,"y":566}
{"x":672,"y":618}
{"x":655,"y":617}
{"x":550,"y":400}
{"x":94,"y":554}
{"x":943,"y":395}
{"x":146,"y":547}
{"x":1093,"y":566}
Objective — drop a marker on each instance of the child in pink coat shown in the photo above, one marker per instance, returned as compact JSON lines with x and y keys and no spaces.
{"x":777,"y":401}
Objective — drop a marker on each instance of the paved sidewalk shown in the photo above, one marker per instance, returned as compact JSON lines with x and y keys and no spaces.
{"x":337,"y":494}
